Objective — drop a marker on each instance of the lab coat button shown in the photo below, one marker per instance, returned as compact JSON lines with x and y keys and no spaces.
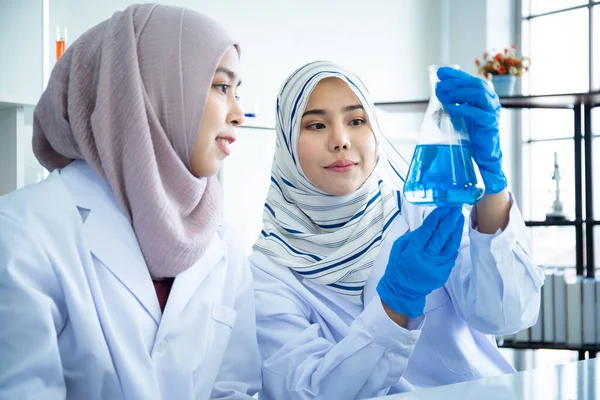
{"x":163,"y":345}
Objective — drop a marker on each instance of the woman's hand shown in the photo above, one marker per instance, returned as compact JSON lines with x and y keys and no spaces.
{"x":472,"y":98}
{"x":421,"y":261}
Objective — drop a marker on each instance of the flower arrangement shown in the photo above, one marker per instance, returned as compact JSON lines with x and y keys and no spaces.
{"x":502,"y":63}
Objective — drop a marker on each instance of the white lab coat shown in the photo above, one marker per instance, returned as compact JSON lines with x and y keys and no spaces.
{"x":79,"y":316}
{"x":317,"y":345}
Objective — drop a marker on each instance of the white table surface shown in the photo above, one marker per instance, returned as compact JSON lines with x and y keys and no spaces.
{"x":573,"y":381}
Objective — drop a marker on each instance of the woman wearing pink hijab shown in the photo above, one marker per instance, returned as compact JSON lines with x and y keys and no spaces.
{"x":118,"y":278}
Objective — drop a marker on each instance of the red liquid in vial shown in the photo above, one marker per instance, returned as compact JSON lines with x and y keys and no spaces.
{"x":60,"y":48}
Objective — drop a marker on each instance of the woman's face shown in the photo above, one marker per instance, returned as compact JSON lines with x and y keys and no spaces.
{"x":337,"y":148}
{"x":221,"y":115}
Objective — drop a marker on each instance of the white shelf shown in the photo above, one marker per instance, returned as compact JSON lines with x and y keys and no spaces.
{"x":254,"y":123}
{"x":12,"y":104}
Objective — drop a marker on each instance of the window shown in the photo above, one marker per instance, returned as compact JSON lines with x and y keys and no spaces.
{"x":564,"y":60}
{"x":562,"y":37}
{"x":560,"y":57}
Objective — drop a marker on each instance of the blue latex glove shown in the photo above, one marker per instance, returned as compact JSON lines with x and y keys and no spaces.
{"x":472,"y":98}
{"x":421,"y":261}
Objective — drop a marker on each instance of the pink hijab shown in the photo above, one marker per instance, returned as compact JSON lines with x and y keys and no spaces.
{"x":128,"y":98}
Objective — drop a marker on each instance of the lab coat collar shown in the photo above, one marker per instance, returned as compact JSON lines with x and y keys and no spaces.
{"x":109,"y":235}
{"x":112,"y":240}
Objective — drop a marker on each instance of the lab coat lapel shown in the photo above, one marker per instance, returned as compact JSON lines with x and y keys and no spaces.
{"x":109,"y":235}
{"x":188,"y":282}
{"x":112,"y":240}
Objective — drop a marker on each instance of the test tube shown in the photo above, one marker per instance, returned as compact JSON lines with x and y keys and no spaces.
{"x":61,"y":41}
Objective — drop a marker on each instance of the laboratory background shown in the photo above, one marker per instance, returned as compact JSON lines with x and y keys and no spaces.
{"x":550,"y":122}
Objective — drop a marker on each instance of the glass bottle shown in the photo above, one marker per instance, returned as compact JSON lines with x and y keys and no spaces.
{"x":442,"y":171}
{"x":61,"y":41}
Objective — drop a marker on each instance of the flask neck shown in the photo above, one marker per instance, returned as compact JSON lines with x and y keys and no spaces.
{"x":434,"y":102}
{"x":438,"y":126}
{"x":433,"y":80}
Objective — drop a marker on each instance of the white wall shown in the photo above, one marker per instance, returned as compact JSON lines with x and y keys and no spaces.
{"x":245,"y":177}
{"x":388,"y":43}
{"x":21,"y":51}
{"x":471,"y":27}
{"x":466,"y":32}
{"x":501,"y":23}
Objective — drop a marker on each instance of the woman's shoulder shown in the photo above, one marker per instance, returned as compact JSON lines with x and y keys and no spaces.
{"x":33,"y":227}
{"x":278,"y":287}
{"x":266,"y":268}
{"x":43,"y":203}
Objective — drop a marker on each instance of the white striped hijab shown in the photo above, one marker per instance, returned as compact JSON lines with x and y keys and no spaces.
{"x":332,"y":240}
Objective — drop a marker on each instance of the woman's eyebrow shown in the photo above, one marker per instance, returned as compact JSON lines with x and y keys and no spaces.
{"x":232,"y":75}
{"x":315,"y":111}
{"x":352,"y":108}
{"x":318,"y":111}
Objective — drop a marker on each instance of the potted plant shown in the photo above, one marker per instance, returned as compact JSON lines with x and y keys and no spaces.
{"x":502,"y":68}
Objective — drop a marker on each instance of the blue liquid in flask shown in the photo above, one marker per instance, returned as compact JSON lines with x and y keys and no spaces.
{"x":442,"y":175}
{"x":442,"y":171}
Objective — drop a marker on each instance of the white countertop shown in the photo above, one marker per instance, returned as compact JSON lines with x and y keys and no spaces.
{"x":573,"y":381}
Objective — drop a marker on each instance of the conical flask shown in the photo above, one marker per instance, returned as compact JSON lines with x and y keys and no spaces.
{"x":442,"y":171}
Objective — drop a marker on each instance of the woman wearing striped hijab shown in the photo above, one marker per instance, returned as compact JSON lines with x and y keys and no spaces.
{"x":360,"y":293}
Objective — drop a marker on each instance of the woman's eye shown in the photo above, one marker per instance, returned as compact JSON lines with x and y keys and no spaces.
{"x":222,"y":88}
{"x":317,"y":126}
{"x":357,"y":122}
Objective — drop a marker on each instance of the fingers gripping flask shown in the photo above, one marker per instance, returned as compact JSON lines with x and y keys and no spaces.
{"x":442,"y":171}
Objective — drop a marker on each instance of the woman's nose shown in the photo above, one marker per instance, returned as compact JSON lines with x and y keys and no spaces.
{"x":339,"y":139}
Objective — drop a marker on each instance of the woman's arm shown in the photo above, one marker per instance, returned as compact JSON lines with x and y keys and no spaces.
{"x":303,"y":360}
{"x":30,"y":318}
{"x":492,"y":212}
{"x":495,"y":285}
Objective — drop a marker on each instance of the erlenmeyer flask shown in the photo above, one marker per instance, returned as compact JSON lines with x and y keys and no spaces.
{"x":442,"y":171}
